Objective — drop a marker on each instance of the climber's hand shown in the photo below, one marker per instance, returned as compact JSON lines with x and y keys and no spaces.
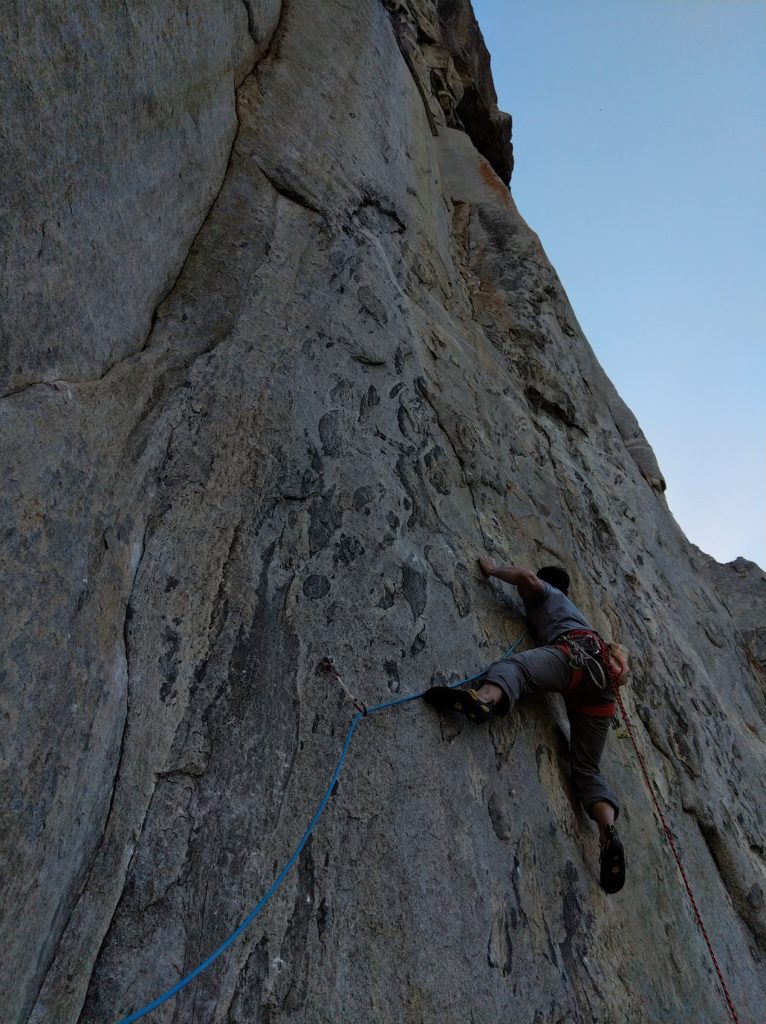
{"x":487,"y":566}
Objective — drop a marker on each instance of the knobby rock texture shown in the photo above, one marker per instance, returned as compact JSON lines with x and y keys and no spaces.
{"x":280,"y":359}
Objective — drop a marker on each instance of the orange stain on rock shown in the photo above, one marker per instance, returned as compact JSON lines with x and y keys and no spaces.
{"x":497,"y":186}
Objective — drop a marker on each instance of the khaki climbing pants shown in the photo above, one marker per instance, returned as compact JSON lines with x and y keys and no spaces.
{"x":546,"y":670}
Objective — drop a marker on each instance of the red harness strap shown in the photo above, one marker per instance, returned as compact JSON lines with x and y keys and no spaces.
{"x":595,"y":710}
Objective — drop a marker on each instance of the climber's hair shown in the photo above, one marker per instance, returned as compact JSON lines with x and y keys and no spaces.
{"x":556,"y":576}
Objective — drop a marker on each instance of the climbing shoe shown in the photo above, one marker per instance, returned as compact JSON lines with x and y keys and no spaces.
{"x":465,"y":702}
{"x":612,"y":862}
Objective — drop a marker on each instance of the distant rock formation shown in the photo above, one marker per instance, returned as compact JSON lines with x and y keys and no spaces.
{"x":280,"y":359}
{"x":742,"y":587}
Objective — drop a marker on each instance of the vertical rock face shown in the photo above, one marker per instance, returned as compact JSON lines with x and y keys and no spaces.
{"x":741,"y":585}
{"x":362,"y":373}
{"x":116,"y":127}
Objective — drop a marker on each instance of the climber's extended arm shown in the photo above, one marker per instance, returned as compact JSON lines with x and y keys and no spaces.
{"x":526,"y":581}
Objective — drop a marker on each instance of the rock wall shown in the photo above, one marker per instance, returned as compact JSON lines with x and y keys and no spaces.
{"x":740,"y":584}
{"x":282,"y":359}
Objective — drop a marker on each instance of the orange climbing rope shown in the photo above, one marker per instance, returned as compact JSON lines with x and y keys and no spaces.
{"x":669,"y":837}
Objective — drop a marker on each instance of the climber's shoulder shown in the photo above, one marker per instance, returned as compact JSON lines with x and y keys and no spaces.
{"x":530,"y":587}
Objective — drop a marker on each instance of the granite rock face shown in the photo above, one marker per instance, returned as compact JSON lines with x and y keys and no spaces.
{"x":289,"y":362}
{"x":742,"y":587}
{"x":116,"y":124}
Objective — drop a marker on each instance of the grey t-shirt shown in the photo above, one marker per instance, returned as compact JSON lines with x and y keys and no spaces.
{"x":552,"y":613}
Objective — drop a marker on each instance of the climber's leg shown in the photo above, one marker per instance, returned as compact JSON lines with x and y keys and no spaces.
{"x":612,"y":861}
{"x":464,"y":702}
{"x":490,"y":693}
{"x":541,"y":670}
{"x":544,"y":669}
{"x":604,"y":815}
{"x":587,"y":738}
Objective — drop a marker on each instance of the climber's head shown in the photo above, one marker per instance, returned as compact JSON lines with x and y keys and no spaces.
{"x":556,"y":576}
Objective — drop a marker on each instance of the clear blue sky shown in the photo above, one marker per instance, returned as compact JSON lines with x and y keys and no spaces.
{"x":639,"y":130}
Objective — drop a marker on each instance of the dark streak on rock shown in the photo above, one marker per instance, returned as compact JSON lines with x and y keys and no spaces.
{"x":461,"y":598}
{"x":363,"y":498}
{"x":418,"y":644}
{"x":499,"y":816}
{"x":435,"y":461}
{"x":371,"y":399}
{"x":500,"y":945}
{"x":392,"y":671}
{"x":316,"y":586}
{"x":324,"y":917}
{"x":415,"y":589}
{"x":331,"y":433}
{"x":347,"y":549}
{"x":290,"y":192}
{"x":325,"y":519}
{"x":294,"y":978}
{"x":168,"y":663}
{"x":372,"y":305}
{"x":576,"y":923}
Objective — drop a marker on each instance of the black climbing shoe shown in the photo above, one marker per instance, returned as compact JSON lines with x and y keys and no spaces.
{"x":465,"y":702}
{"x":612,"y":862}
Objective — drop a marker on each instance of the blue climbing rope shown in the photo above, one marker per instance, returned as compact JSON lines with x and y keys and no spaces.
{"x":138,"y":1014}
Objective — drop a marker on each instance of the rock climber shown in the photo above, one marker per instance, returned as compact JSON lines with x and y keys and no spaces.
{"x":573,"y":660}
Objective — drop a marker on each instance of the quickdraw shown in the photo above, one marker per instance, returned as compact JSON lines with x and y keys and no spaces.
{"x":329,"y":665}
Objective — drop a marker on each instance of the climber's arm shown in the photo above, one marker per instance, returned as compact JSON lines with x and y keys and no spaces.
{"x":526,"y":581}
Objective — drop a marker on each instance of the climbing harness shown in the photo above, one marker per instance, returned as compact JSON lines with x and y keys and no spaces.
{"x":583,"y":650}
{"x":592,"y":679}
{"x":671,"y":843}
{"x":361,"y":712}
